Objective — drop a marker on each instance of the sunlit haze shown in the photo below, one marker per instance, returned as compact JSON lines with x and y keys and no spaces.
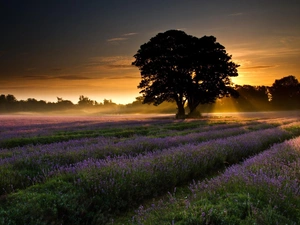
{"x":65,"y":49}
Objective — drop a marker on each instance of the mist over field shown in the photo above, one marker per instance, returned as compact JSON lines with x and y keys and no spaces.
{"x":283,"y":95}
{"x":98,"y":116}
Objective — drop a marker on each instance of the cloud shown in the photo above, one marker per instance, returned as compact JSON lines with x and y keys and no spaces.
{"x":129,"y":34}
{"x":259,"y":67}
{"x":109,"y":59}
{"x":73,"y":77}
{"x":35,"y":77}
{"x":120,"y":66}
{"x":63,"y":77}
{"x":123,"y":37}
{"x":110,"y":62}
{"x":116,"y":39}
{"x":290,"y":41}
{"x":251,"y":52}
{"x":122,"y":77}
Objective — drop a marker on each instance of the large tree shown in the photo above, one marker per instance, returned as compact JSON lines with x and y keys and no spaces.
{"x":178,"y":67}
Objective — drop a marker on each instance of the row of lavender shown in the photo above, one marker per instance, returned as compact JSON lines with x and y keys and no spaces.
{"x":158,"y":125}
{"x":20,"y":126}
{"x":173,"y":138}
{"x":137,"y":177}
{"x":10,"y":138}
{"x":265,"y":189}
{"x":24,"y":166}
{"x":98,"y":187}
{"x":23,"y":128}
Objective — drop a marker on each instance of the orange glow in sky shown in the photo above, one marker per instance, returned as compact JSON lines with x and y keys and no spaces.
{"x":67,"y":50}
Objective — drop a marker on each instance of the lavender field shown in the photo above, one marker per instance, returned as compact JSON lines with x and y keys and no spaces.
{"x":220,"y":169}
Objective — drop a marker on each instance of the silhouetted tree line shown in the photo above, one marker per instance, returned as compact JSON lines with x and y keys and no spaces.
{"x":9,"y":103}
{"x":284,"y":94}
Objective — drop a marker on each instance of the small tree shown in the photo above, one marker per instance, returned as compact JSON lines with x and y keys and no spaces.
{"x":85,"y":101}
{"x":178,"y":67}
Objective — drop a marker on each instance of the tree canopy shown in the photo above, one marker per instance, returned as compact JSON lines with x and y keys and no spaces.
{"x":178,"y":67}
{"x":285,"y":93}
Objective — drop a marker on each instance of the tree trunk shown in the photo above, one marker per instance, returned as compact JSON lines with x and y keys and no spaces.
{"x":194,"y":113}
{"x":180,"y":111}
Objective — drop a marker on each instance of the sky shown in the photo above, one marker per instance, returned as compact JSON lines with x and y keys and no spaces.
{"x":68,"y":48}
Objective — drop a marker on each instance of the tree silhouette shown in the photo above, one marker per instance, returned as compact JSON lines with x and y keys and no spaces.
{"x":178,"y":67}
{"x":211,"y":71}
{"x":285,"y":93}
{"x":108,"y":102}
{"x":252,"y":98}
{"x":11,"y":99}
{"x":2,"y":98}
{"x":85,"y":101}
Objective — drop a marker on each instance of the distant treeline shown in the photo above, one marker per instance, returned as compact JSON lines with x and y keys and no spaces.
{"x":284,"y":94}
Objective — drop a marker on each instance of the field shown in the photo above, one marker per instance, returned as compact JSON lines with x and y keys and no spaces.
{"x":220,"y":169}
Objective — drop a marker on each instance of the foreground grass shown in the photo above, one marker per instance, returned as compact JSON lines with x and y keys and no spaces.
{"x":94,"y":191}
{"x":264,"y":189}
